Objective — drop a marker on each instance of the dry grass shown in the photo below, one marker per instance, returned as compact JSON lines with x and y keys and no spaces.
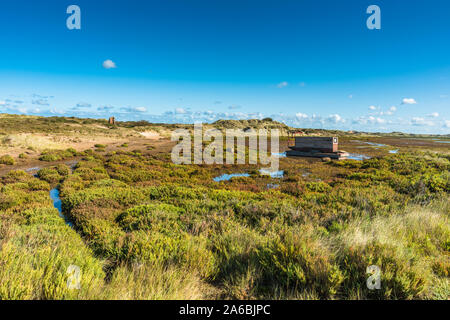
{"x":154,"y":282}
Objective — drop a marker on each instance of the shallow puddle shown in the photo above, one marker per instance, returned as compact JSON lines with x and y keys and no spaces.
{"x":373,"y":144}
{"x":227,"y":177}
{"x":358,"y":157}
{"x":393,"y":151}
{"x":272,"y":174}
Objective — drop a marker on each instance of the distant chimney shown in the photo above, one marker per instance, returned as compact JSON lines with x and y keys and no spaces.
{"x":112,"y":120}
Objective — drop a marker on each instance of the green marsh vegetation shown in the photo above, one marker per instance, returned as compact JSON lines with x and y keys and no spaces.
{"x":145,"y":228}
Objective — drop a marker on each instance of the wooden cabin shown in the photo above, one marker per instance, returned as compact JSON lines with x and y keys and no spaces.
{"x":316,"y":144}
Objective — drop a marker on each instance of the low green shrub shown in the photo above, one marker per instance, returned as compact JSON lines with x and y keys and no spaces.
{"x":8,"y":160}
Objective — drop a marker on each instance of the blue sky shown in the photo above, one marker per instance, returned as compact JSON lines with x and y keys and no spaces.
{"x":307,"y":63}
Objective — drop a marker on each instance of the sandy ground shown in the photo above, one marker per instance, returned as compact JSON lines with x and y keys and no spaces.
{"x":152,"y":135}
{"x":154,"y":145}
{"x":31,"y":144}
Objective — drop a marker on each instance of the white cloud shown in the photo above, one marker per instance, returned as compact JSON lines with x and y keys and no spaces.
{"x":2,"y":103}
{"x":300,"y":115}
{"x":434,"y":115}
{"x":372,"y":108}
{"x":417,"y":121}
{"x":369,"y":120}
{"x":409,"y":101}
{"x":180,"y":111}
{"x":335,"y":118}
{"x":140,"y":109}
{"x":376,"y":120}
{"x":109,"y":64}
{"x":282,"y":84}
{"x":393,"y":109}
{"x":56,"y":111}
{"x":447,"y":123}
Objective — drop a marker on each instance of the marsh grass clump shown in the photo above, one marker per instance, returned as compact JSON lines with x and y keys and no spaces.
{"x":8,"y":160}
{"x":57,"y":155}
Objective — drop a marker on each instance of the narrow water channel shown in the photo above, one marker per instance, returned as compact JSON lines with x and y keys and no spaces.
{"x":54,"y":195}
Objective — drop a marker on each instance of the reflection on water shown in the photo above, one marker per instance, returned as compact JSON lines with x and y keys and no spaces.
{"x":359,"y":157}
{"x":272,"y":174}
{"x":440,"y":141}
{"x":376,"y":145}
{"x":272,"y":186}
{"x":54,"y":195}
{"x":226,"y":177}
{"x":393,"y":151}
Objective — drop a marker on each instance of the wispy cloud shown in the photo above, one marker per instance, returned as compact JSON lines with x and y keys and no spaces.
{"x":418,"y":121}
{"x":300,"y":115}
{"x":336,"y":118}
{"x":434,"y":115}
{"x":40,"y":102}
{"x":82,"y":105}
{"x":105,"y":108}
{"x":282,"y":84}
{"x":134,"y":109}
{"x":180,"y":111}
